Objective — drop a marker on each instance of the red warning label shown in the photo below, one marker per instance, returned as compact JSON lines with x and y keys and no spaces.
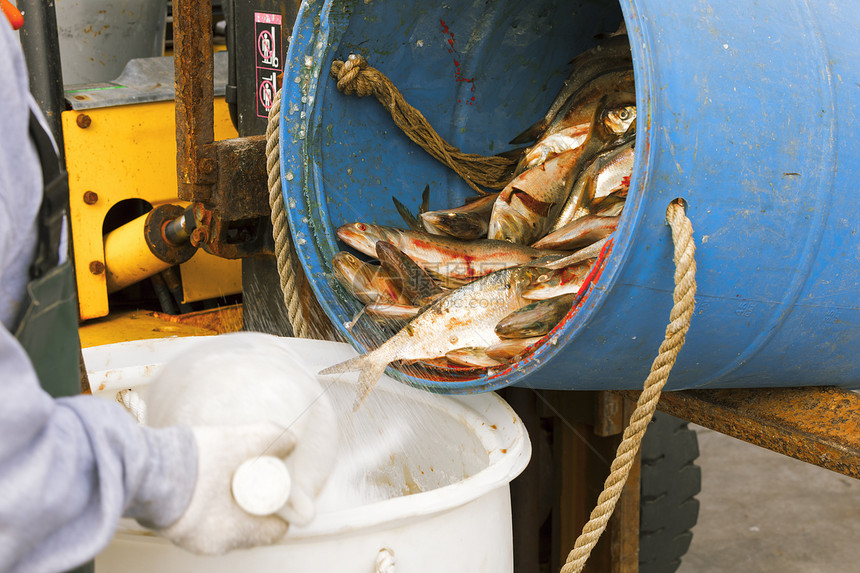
{"x":269,"y":50}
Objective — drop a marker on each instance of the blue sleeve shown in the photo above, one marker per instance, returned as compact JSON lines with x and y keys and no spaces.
{"x":69,"y":468}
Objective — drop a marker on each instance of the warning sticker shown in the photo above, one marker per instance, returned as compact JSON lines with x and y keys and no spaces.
{"x":267,"y":35}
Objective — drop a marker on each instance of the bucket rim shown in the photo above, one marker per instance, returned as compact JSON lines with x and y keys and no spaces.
{"x":111,"y":366}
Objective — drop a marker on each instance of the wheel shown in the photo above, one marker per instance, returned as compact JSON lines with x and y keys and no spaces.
{"x":670,"y":480}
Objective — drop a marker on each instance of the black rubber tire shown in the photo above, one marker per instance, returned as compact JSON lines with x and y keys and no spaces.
{"x":670,"y":480}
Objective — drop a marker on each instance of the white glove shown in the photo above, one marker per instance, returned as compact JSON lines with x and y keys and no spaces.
{"x":213,"y":523}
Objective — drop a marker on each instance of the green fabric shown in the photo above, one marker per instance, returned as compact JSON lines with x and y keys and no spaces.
{"x":48,"y":331}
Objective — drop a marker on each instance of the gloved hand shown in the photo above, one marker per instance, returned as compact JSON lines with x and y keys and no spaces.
{"x":213,"y":523}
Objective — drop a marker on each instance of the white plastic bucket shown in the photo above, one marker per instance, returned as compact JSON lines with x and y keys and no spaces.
{"x":442,"y":463}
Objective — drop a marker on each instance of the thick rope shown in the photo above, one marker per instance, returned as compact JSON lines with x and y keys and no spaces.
{"x":385,"y":562}
{"x":356,"y":76}
{"x":133,"y":403}
{"x":287,"y":264}
{"x":676,"y":332}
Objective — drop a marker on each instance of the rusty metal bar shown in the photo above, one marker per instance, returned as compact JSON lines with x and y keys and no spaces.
{"x":241,"y":190}
{"x":820,"y":426}
{"x":195,"y":109}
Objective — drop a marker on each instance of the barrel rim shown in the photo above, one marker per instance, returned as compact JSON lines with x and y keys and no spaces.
{"x":313,"y":42}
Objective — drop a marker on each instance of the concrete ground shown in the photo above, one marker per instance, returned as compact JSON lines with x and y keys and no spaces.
{"x":761,"y":512}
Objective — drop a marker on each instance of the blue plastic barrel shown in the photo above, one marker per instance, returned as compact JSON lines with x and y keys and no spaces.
{"x":747,"y":110}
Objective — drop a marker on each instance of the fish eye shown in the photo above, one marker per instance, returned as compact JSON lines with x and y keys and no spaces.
{"x":361,"y":226}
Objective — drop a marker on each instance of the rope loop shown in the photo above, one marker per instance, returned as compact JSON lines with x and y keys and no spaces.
{"x":133,"y":402}
{"x":357,"y":76}
{"x":351,"y":78}
{"x":684,"y":296}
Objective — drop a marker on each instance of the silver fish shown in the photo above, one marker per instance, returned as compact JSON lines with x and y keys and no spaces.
{"x":472,"y":356}
{"x":590,"y":252}
{"x":367,"y":282}
{"x":463,"y":317}
{"x":450,"y":260}
{"x":579,"y":233}
{"x":532,"y":203}
{"x":511,"y":349}
{"x":608,"y":172}
{"x":585,"y":67}
{"x":415,"y":284}
{"x":614,"y":177}
{"x":535,"y":319}
{"x":552,"y":145}
{"x":619,"y":120}
{"x":554,"y":283}
{"x":617,"y":85}
{"x":609,"y":206}
{"x":469,"y":221}
{"x":392,"y":311}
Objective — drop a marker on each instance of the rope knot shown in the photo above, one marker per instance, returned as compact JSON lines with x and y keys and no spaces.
{"x":351,"y":77}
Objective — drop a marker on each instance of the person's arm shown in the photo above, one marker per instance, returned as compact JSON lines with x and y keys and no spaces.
{"x":70,"y":468}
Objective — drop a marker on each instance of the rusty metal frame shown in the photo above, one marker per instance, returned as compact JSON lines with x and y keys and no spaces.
{"x":226,"y":180}
{"x":195,"y":99}
{"x":820,"y":425}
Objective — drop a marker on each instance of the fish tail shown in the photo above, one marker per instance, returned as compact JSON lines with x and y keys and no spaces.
{"x":371,"y":369}
{"x":370,"y":375}
{"x":351,"y":365}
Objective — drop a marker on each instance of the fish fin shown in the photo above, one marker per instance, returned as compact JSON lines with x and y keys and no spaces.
{"x":530,"y":134}
{"x":446,"y":281}
{"x":371,"y":367}
{"x":411,"y":221}
{"x":562,"y":262}
{"x":546,"y":261}
{"x":371,"y":373}
{"x":513,"y":154}
{"x":425,"y":200}
{"x":351,"y":324}
{"x":536,"y":206}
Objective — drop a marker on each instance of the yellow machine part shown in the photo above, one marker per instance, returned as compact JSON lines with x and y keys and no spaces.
{"x":143,"y":325}
{"x":129,"y":152}
{"x":128,"y":259}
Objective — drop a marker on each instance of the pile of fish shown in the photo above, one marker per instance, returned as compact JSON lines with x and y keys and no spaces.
{"x":479,"y":285}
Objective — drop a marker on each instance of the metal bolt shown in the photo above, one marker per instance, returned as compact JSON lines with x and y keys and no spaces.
{"x":97,"y":267}
{"x":199,"y":236}
{"x":83,"y":121}
{"x":91,"y":197}
{"x":207,"y":166}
